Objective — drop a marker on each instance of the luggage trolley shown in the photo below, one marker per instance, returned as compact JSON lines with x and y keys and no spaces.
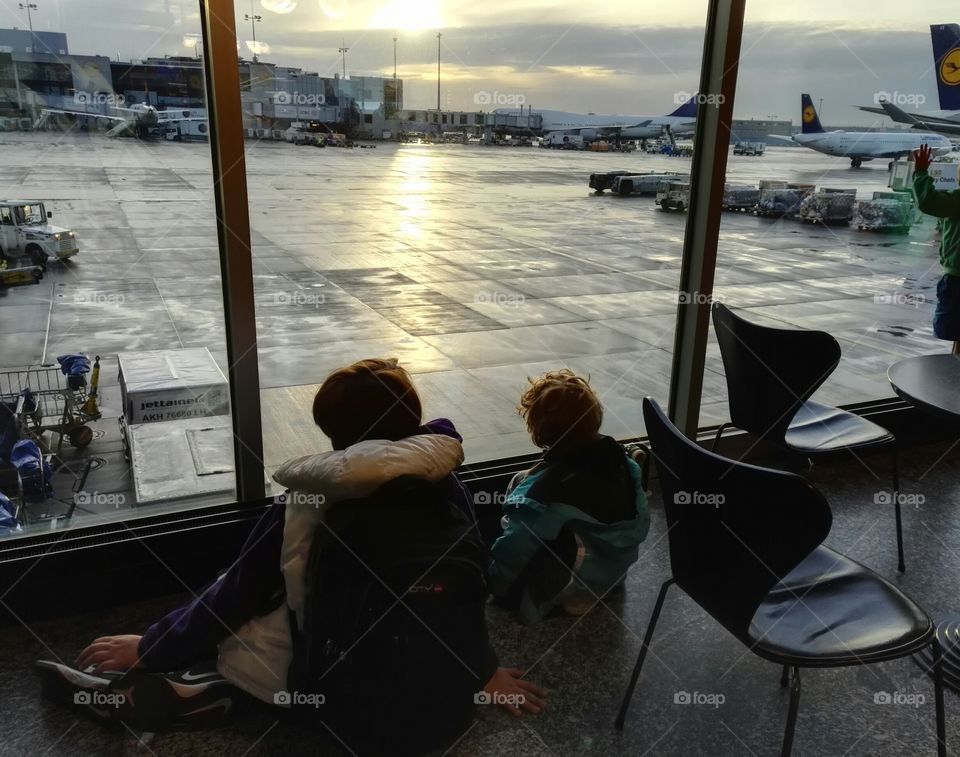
{"x":35,"y":400}
{"x":44,"y":399}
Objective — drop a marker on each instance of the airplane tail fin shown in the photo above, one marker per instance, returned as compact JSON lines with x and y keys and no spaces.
{"x":946,"y":58}
{"x":687,"y":110}
{"x":810,"y":121}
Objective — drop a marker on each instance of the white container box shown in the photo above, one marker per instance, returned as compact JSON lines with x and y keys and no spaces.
{"x":186,"y":458}
{"x":167,"y":385}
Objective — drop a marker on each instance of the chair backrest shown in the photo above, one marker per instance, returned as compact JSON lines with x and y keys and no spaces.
{"x":770,"y":372}
{"x":734,"y":529}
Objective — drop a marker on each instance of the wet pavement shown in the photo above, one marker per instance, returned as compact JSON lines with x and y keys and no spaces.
{"x":476,"y":266}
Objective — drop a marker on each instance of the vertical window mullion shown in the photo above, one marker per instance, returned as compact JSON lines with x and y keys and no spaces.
{"x":718,"y":82}
{"x":233,"y":230}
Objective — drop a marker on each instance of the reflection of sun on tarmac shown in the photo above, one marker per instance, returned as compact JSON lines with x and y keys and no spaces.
{"x":410,"y":194}
{"x":414,"y":211}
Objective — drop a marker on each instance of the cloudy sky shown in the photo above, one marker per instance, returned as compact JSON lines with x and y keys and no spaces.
{"x":620,"y":56}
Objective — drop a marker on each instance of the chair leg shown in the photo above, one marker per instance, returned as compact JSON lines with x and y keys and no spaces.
{"x":716,"y":439}
{"x":640,"y":453}
{"x":644,"y":464}
{"x":785,"y":677}
{"x":791,"y":714}
{"x":938,"y":696}
{"x":896,"y":509}
{"x":648,"y":636}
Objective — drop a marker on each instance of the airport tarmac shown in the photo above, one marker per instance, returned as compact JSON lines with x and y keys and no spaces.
{"x":476,"y":266}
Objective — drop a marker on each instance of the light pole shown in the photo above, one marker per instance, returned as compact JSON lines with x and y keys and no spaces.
{"x":343,"y":50}
{"x":439,"y":128}
{"x":28,"y":7}
{"x":396,"y":95}
{"x":253,"y":19}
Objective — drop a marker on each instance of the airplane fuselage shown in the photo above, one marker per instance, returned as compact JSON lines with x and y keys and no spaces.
{"x":625,"y":126}
{"x":866,"y":145}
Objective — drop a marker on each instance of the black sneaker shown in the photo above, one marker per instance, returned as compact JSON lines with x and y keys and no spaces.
{"x":66,"y":685}
{"x":150,"y":702}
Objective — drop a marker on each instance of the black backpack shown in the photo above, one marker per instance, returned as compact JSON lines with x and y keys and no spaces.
{"x":394,"y":643}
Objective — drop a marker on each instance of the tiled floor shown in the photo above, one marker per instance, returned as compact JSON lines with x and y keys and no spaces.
{"x":584,"y":663}
{"x":475,"y":266}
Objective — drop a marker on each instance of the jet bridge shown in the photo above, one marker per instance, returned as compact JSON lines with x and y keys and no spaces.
{"x":526,"y":124}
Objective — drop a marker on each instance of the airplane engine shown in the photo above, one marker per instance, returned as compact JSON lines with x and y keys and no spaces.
{"x":144,"y":115}
{"x":588,"y":134}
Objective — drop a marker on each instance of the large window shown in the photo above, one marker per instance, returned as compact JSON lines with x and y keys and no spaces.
{"x":417,"y":187}
{"x":854,"y":258}
{"x":463,"y":244}
{"x":109,"y":196}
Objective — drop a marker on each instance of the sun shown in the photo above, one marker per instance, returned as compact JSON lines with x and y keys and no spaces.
{"x":408,"y":15}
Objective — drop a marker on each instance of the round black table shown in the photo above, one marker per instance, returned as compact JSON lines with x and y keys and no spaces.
{"x":931,"y":383}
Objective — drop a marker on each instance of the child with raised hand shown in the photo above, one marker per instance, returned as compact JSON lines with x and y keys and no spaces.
{"x":944,"y":205}
{"x":573,"y":523}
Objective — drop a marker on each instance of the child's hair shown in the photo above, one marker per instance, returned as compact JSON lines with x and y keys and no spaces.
{"x":560,"y":408}
{"x":371,"y":399}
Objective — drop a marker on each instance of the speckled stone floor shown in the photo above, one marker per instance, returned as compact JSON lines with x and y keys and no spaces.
{"x":585,"y":662}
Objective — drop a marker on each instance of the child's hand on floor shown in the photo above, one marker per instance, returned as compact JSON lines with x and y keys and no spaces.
{"x":511,"y":691}
{"x":111,"y":653}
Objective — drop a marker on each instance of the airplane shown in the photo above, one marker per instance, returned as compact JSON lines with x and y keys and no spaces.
{"x":592,"y":126}
{"x":139,"y":118}
{"x":946,"y":58}
{"x":920,"y":121}
{"x":860,"y":145}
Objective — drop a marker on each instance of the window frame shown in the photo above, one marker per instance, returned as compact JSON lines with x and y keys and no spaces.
{"x":223,"y":94}
{"x":50,"y":573}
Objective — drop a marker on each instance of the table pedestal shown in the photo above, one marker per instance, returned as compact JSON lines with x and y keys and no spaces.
{"x":948,"y":633}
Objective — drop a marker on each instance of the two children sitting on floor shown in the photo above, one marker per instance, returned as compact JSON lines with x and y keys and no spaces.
{"x":572,"y":527}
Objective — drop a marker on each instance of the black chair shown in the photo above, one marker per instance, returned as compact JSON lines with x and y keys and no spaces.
{"x":771,"y":375}
{"x":746,"y":545}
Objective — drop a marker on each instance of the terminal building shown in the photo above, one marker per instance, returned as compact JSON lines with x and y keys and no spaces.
{"x":274,"y":97}
{"x":26,"y":41}
{"x":38,"y":73}
{"x":759,"y":130}
{"x":530,"y":124}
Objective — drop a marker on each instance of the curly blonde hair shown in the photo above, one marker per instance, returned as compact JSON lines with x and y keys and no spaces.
{"x":560,"y":407}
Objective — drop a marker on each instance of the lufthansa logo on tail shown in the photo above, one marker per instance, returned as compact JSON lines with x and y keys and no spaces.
{"x":809,"y":114}
{"x":950,"y":67}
